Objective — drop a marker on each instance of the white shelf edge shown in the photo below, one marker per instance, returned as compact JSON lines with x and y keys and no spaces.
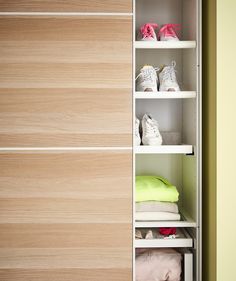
{"x":153,"y":224}
{"x":165,"y":95}
{"x":164,"y":149}
{"x":184,"y":241}
{"x":164,"y":243}
{"x":165,"y":44}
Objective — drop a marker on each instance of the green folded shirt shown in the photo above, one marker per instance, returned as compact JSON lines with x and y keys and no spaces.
{"x":153,"y":188}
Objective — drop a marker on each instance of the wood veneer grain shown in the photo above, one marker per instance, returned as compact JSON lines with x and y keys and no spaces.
{"x":63,"y":217}
{"x":121,"y":6}
{"x":65,"y":82}
{"x":71,"y":274}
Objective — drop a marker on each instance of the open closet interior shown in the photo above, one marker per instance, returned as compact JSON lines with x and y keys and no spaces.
{"x":167,"y":139}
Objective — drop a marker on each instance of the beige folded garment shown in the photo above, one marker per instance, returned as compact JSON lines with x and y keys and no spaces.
{"x":156,"y":216}
{"x":156,"y":206}
{"x":158,"y":265}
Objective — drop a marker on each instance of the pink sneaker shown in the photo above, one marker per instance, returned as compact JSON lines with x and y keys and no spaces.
{"x":147,"y":32}
{"x":168,"y":32}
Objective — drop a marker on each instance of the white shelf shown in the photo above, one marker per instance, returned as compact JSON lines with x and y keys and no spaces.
{"x":185,"y":240}
{"x":164,"y":149}
{"x":165,"y":44}
{"x":166,"y":95}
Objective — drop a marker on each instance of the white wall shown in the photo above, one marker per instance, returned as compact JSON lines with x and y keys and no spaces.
{"x":226,"y":140}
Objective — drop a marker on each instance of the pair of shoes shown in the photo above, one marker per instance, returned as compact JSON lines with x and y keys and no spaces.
{"x":166,"y":33}
{"x":148,"y":80}
{"x":150,"y":131}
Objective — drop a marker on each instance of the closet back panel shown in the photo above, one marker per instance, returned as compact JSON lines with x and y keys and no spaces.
{"x":121,"y":6}
{"x":66,"y":216}
{"x":65,"y":81}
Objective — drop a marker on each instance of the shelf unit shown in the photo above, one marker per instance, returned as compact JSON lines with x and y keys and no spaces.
{"x":175,"y":112}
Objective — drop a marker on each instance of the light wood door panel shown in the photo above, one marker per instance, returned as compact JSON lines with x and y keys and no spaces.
{"x":64,"y":117}
{"x":62,"y":52}
{"x":56,"y":187}
{"x":65,"y":258}
{"x":60,"y":211}
{"x":65,"y":82}
{"x":96,"y":76}
{"x":87,"y":235}
{"x":120,"y":6}
{"x":71,"y":274}
{"x":80,"y":232}
{"x":73,"y":175}
{"x":47,"y":29}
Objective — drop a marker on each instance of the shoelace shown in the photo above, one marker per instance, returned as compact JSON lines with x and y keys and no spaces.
{"x":169,"y":30}
{"x":169,"y":72}
{"x":151,"y":128}
{"x":148,"y":74}
{"x":147,"y":30}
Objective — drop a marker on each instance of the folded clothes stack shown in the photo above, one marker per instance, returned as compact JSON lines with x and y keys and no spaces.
{"x":158,"y":265}
{"x":156,"y":199}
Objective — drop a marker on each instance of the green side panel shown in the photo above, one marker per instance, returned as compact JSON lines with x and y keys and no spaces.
{"x":209,"y":140}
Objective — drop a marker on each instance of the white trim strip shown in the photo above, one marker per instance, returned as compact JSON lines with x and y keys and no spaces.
{"x":62,"y":14}
{"x":63,"y":148}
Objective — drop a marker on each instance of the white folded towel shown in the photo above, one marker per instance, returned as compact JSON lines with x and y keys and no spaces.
{"x":156,"y":216}
{"x":156,"y":206}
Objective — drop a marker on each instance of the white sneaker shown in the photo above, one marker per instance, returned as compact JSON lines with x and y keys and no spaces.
{"x":168,"y":81}
{"x":147,"y":79}
{"x":151,"y":134}
{"x":137,"y":134}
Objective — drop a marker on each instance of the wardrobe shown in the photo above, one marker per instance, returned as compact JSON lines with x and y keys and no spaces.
{"x":68,"y":162}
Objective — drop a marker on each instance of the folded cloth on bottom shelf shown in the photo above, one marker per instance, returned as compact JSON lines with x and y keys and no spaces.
{"x":156,"y":216}
{"x":155,"y":206}
{"x":158,"y":265}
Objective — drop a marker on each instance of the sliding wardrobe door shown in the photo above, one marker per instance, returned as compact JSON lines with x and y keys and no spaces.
{"x":66,"y":216}
{"x":66,"y":141}
{"x":65,"y":81}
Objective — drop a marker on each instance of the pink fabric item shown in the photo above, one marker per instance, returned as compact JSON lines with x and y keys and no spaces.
{"x":147,"y":30}
{"x":169,"y":30}
{"x":167,"y":230}
{"x":158,"y":265}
